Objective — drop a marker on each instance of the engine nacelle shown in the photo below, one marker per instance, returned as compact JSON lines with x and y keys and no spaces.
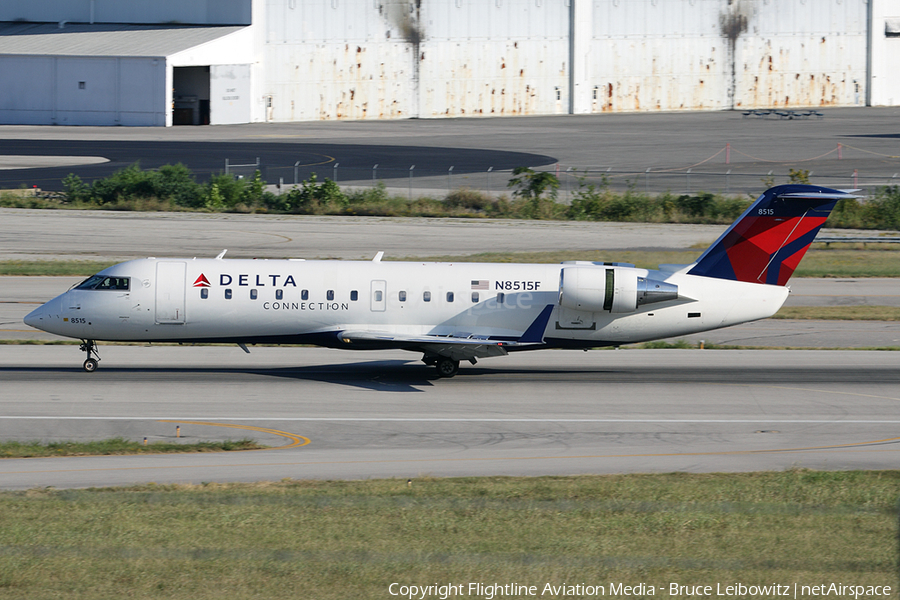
{"x":610,"y":289}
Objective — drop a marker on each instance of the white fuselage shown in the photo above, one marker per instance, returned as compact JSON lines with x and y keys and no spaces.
{"x":293,"y":301}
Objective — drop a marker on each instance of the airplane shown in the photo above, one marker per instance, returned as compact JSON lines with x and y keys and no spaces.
{"x":449,"y":312}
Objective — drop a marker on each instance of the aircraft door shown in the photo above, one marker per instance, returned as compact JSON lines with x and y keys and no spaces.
{"x":379,"y":295}
{"x":170,"y":287}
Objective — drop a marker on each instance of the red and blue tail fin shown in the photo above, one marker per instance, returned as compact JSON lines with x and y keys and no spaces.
{"x":766,"y":243}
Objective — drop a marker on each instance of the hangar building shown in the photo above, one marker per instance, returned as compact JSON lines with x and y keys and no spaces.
{"x":169,"y":62}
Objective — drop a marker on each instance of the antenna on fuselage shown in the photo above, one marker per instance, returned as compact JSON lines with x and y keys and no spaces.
{"x":378,"y":257}
{"x":222,"y":254}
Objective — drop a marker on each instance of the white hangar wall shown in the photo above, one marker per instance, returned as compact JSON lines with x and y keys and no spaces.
{"x":83,"y":90}
{"x":801,"y":54}
{"x":494,"y":58}
{"x":327,"y":59}
{"x":655,"y":55}
{"x":110,"y":74}
{"x":357,"y":60}
{"x":713,"y":54}
{"x":361,"y":59}
{"x":884,"y":32}
{"x":297,"y":60}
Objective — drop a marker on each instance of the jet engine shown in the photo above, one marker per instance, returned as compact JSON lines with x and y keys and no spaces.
{"x":610,"y":289}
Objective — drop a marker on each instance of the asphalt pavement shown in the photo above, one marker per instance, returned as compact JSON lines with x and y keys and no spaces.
{"x":345,"y":415}
{"x":718,"y":151}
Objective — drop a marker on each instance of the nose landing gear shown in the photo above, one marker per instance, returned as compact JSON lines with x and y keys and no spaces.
{"x":91,"y":364}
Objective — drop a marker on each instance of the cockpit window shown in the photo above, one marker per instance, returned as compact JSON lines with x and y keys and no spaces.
{"x":105,"y":282}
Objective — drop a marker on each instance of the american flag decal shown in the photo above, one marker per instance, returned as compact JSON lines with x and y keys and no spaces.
{"x":481,"y":284}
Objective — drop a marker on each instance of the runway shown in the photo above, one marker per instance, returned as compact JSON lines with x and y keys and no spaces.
{"x":341,"y":415}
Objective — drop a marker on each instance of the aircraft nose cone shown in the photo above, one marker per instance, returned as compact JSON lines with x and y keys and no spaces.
{"x":43,"y":316}
{"x":35,"y":317}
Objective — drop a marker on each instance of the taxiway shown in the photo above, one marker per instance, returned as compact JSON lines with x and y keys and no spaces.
{"x":341,"y":415}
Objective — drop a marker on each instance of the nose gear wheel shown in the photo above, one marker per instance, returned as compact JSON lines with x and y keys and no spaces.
{"x":91,"y":363}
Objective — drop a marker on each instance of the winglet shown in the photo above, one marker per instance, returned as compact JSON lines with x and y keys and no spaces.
{"x":535,"y":332}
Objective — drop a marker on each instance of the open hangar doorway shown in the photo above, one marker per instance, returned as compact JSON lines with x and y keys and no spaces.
{"x":190,"y":96}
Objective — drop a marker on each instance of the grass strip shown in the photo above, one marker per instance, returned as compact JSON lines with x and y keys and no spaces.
{"x":52,"y":268}
{"x":838,"y":263}
{"x":117,"y":446}
{"x":817,"y":262}
{"x":352,"y":539}
{"x":839,"y":313}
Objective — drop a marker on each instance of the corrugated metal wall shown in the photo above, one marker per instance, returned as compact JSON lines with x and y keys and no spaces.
{"x":383,"y":59}
{"x":494,"y":57}
{"x":337,"y":59}
{"x":657,"y":55}
{"x":334,"y":59}
{"x":802,"y":53}
{"x":83,"y":90}
{"x":884,"y":31}
{"x":702,"y":54}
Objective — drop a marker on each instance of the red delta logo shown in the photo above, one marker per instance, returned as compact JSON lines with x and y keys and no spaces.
{"x":202,"y":281}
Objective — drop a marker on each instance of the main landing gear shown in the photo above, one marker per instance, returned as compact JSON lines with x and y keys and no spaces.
{"x":446,"y":367}
{"x":91,"y":364}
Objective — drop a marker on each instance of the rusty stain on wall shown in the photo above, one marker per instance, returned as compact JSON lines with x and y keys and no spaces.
{"x":383,"y":59}
{"x":733,"y":21}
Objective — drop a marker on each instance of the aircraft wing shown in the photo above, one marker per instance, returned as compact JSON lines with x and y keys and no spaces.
{"x":455,"y":347}
{"x":458,"y":347}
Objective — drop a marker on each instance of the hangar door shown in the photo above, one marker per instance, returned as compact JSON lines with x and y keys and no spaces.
{"x":229,"y":94}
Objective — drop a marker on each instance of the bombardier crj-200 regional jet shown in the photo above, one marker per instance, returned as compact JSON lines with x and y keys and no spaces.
{"x":447,"y":311}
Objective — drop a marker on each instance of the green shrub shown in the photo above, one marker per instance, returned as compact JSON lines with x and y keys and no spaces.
{"x":532,"y":184}
{"x":176,"y":184}
{"x":173,"y":187}
{"x":311,"y":197}
{"x":75,"y":189}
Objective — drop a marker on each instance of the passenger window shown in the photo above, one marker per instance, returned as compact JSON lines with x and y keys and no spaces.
{"x":304,"y":295}
{"x":228,"y":293}
{"x":204,"y":293}
{"x":379,"y":295}
{"x":426,"y":297}
{"x":475,"y":297}
{"x":253,"y":294}
{"x":501,"y":297}
{"x":279,"y":294}
{"x":402,"y":296}
{"x":449,"y":296}
{"x":354,"y":296}
{"x":329,"y":295}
